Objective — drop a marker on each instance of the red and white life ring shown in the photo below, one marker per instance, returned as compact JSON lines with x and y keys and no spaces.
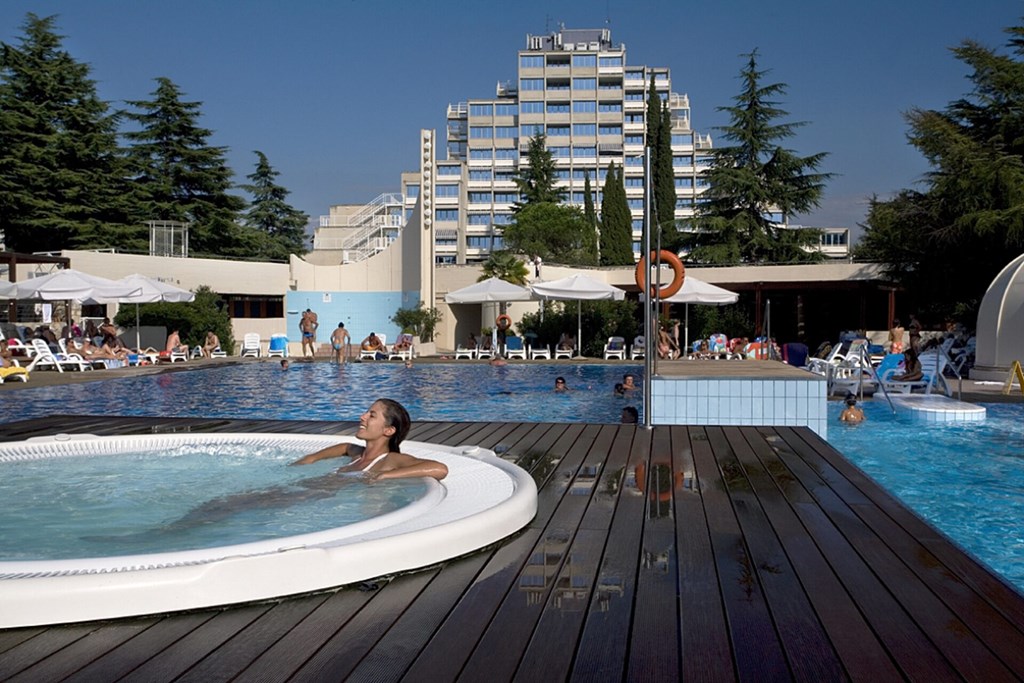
{"x":503,"y":322}
{"x":678,"y":274}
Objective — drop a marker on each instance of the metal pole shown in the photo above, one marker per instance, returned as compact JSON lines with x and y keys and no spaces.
{"x":646,"y":296}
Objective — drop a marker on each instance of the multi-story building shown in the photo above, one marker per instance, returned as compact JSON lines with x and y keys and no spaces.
{"x":576,"y":87}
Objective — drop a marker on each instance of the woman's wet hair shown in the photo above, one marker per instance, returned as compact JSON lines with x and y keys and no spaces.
{"x":396,"y":416}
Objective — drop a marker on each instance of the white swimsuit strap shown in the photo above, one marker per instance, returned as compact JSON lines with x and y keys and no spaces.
{"x":374,"y":461}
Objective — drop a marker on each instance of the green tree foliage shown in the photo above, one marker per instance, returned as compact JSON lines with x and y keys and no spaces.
{"x":61,"y":178}
{"x":555,"y":232}
{"x":180,"y":176}
{"x":664,"y":189}
{"x":754,"y":178}
{"x":592,"y":245}
{"x":272,"y":216}
{"x":616,"y":222}
{"x":420,"y":321}
{"x":506,"y":266}
{"x":536,"y":179}
{"x":946,"y":243}
{"x":192,"y":319}
{"x":600,"y":320}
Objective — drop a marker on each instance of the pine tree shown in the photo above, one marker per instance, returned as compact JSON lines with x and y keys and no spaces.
{"x":61,"y":172}
{"x":536,"y":179}
{"x":755,"y":185}
{"x":616,"y":222}
{"x":180,"y":176}
{"x":270,"y":214}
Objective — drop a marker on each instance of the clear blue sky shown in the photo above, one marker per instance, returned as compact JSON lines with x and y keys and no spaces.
{"x":334,"y":92}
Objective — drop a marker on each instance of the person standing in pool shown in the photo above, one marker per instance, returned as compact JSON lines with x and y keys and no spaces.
{"x":851,"y":413}
{"x":341,"y":343}
{"x":382,"y":427}
{"x":308,"y":325}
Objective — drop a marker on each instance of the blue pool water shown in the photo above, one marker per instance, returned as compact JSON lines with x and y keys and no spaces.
{"x":966,"y":478}
{"x":323,"y":391}
{"x":187,"y":497}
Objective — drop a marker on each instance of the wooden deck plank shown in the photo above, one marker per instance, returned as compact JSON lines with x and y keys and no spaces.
{"x":706,"y":650}
{"x":861,"y":653}
{"x":755,"y":645}
{"x":233,"y":656}
{"x":604,"y":641}
{"x":808,"y":650}
{"x":654,"y":638}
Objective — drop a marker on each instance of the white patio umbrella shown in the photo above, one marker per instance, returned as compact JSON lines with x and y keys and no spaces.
{"x":7,"y":289}
{"x":491,"y":290}
{"x":68,"y":284}
{"x":696,"y":291}
{"x":151,"y":291}
{"x":578,"y":288}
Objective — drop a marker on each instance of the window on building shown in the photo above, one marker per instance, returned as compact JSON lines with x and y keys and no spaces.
{"x":638,"y":224}
{"x":447,"y":190}
{"x":480,"y":174}
{"x":558,"y":107}
{"x":682,"y":139}
{"x":584,"y":151}
{"x":584,"y":60}
{"x":506,"y":109}
{"x":528,"y":130}
{"x":634,"y":160}
{"x":506,"y":197}
{"x":683,"y":181}
{"x":584,"y":84}
{"x":559,"y":152}
{"x":609,"y":84}
{"x":504,"y":176}
{"x":446,"y":215}
{"x":479,"y":132}
{"x":479,"y":154}
{"x":556,"y":130}
{"x":634,"y":118}
{"x":682,"y":160}
{"x":531,"y":84}
{"x":446,"y":241}
{"x":255,"y":306}
{"x":635,"y":74}
{"x":506,"y":154}
{"x":612,"y":129}
{"x":506,"y":132}
{"x":478,"y":241}
{"x":584,"y":129}
{"x":502,"y":218}
{"x":610,"y":61}
{"x":531,"y":107}
{"x":412,"y":191}
{"x":449,"y":170}
{"x":481,"y":110}
{"x":635,"y":203}
{"x":634,"y":139}
{"x":562,"y":173}
{"x":635,"y":96}
{"x":684,"y":202}
{"x":704,"y":161}
{"x":444,"y":260}
{"x":610,"y":107}
{"x":584,"y":106}
{"x":558,"y":84}
{"x":479,"y":219}
{"x":633,"y":181}
{"x":479,"y":197}
{"x":531,"y":62}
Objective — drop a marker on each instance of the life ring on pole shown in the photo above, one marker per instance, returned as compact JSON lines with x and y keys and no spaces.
{"x":678,"y":274}
{"x":503,"y":322}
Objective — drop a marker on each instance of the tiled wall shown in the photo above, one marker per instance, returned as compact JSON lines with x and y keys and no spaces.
{"x":788,"y":402}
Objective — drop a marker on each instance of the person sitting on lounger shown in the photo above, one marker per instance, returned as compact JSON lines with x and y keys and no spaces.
{"x":373,"y":343}
{"x":174,"y":344}
{"x":383,"y":427}
{"x":912,"y":371}
{"x":211,"y":344}
{"x":566,"y":342}
{"x":105,"y":352}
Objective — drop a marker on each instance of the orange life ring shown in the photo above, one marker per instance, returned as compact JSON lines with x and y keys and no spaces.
{"x":678,"y":274}
{"x":503,"y":322}
{"x":662,"y":495}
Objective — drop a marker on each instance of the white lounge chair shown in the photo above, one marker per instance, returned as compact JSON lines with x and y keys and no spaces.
{"x":251,"y":346}
{"x":639,"y":348}
{"x":369,"y":354}
{"x":615,"y":348}
{"x":540,"y":352}
{"x":43,"y":356}
{"x":14,"y":372}
{"x":932,"y":365}
{"x":218,"y":353}
{"x":402,"y":353}
{"x":514,"y":348}
{"x":484,"y":353}
{"x":564,"y":354}
{"x":464,"y":352}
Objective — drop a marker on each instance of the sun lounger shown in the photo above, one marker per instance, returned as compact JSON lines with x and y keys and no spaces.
{"x":542,"y":351}
{"x":514,"y":348}
{"x":43,"y":356}
{"x":932,"y":365}
{"x":14,"y":372}
{"x":615,"y":348}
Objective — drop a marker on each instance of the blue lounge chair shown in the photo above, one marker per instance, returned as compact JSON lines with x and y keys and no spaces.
{"x":514,"y":347}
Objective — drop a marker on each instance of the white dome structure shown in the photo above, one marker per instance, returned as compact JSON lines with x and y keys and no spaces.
{"x":1001,"y":324}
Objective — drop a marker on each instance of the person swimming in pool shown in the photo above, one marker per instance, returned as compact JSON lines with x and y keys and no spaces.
{"x":851,"y":413}
{"x":383,"y":427}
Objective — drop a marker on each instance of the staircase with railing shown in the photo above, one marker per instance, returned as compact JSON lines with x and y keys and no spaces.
{"x":368,"y":231}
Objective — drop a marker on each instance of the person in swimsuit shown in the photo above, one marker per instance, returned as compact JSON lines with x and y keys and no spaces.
{"x":341,"y":344}
{"x":383,"y":427}
{"x":308,"y":325}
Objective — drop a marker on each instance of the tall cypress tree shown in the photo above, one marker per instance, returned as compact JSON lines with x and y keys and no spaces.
{"x":180,"y":175}
{"x":616,"y":222}
{"x":270,"y":213}
{"x":664,"y":189}
{"x":652,"y":142}
{"x":61,"y":172}
{"x":590,"y":215}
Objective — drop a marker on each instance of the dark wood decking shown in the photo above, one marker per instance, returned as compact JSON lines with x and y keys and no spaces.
{"x":742,"y":553}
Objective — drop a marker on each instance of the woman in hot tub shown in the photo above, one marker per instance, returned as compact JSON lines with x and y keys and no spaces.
{"x":382,"y":427}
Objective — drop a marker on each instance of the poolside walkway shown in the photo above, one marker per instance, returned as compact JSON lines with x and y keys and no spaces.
{"x":678,"y":553}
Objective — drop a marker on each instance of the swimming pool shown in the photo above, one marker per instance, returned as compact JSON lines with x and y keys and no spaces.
{"x":966,"y":478}
{"x":323,"y":391}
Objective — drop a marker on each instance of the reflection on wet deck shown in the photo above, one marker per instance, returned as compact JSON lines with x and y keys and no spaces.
{"x":676,"y":553}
